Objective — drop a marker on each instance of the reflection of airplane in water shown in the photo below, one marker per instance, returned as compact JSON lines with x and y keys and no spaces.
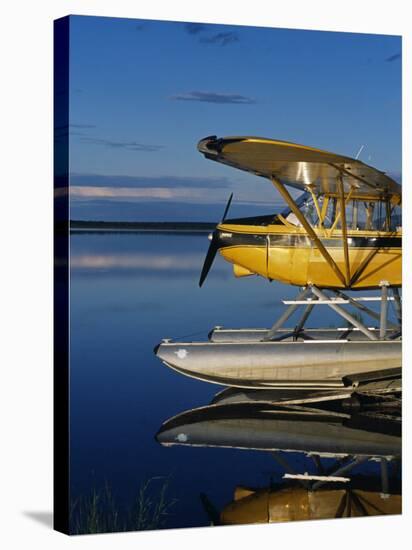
{"x":299,"y":503}
{"x":271,"y":427}
{"x":351,"y":447}
{"x":342,"y":234}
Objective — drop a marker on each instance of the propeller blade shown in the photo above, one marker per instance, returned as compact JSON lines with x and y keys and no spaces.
{"x":213,"y":247}
{"x":211,"y":511}
{"x":210,"y":256}
{"x":227,"y":208}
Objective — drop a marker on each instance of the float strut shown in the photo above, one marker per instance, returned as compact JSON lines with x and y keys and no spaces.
{"x":384,"y":310}
{"x":283,"y":318}
{"x":384,"y":477}
{"x":363,"y":308}
{"x":342,"y":470}
{"x":343,"y":313}
{"x":304,"y":318}
{"x":287,"y":467}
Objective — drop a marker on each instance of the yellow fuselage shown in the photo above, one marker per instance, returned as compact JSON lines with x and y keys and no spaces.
{"x":287,"y":254}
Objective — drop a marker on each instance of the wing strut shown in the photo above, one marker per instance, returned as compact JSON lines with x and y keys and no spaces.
{"x":344,"y":228}
{"x":342,"y":169}
{"x":292,"y":204}
{"x":339,"y":214}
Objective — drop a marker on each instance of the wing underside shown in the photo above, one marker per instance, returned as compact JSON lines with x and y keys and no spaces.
{"x":300,"y":166}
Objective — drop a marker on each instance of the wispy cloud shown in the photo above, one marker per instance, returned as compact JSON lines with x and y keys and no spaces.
{"x":221,"y":38}
{"x":66,"y":127}
{"x":200,"y":30}
{"x":61,"y":132}
{"x":393,"y":57}
{"x":128,"y":145}
{"x":170,"y":181}
{"x":183,"y":194}
{"x":194,"y":28}
{"x":82,"y":125}
{"x":214,"y":97}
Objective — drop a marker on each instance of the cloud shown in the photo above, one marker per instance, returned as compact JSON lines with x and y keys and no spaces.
{"x":183,"y":194}
{"x":213,"y":97}
{"x":63,"y":131}
{"x":82,"y":125}
{"x":221,"y":38}
{"x":393,"y":57}
{"x":149,"y":182}
{"x":194,"y":28}
{"x":128,"y":145}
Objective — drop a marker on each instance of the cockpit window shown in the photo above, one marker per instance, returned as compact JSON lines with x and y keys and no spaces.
{"x":360,"y":214}
{"x":306,"y":205}
{"x":375,"y":216}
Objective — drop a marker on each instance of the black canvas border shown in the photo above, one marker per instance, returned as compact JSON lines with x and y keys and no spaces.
{"x":61,"y":420}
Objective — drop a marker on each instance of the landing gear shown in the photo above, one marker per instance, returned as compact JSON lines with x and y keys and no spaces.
{"x":312,"y":296}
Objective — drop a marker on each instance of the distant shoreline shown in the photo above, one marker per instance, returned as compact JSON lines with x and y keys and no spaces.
{"x":77,"y":226}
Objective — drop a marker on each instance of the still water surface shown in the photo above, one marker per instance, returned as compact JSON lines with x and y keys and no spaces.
{"x":128,"y":291}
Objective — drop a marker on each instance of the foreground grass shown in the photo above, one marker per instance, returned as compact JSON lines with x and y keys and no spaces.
{"x":99,"y":513}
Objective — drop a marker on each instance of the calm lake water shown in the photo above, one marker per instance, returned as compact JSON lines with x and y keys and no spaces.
{"x":128,"y":291}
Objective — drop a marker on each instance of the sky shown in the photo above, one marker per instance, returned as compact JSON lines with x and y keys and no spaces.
{"x":143,"y":93}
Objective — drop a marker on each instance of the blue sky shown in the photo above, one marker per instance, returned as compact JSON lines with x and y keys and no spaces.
{"x":142,"y":94}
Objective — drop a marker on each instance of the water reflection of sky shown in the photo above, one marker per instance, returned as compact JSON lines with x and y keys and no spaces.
{"x":127,"y":292}
{"x":158,"y":262}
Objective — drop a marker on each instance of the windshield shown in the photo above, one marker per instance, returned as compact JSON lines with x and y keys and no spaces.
{"x":306,"y":205}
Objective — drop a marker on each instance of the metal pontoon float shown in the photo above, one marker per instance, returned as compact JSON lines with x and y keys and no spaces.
{"x":296,"y":357}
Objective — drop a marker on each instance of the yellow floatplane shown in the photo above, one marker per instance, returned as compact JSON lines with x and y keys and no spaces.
{"x":343,"y":233}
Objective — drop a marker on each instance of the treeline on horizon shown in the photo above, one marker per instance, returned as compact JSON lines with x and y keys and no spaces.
{"x":82,"y":224}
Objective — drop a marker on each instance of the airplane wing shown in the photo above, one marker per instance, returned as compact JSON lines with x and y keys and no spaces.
{"x":299,"y":166}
